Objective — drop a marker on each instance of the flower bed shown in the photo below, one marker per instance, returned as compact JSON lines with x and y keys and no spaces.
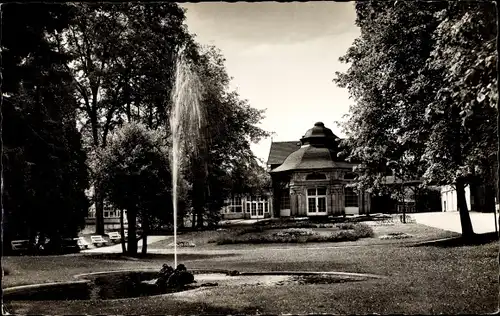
{"x":342,"y":232}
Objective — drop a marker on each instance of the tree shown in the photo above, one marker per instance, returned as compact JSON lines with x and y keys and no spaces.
{"x":385,"y":129}
{"x":465,"y":55}
{"x":226,"y":140}
{"x":122,"y":67}
{"x":421,"y":76}
{"x":248,"y":177}
{"x":45,"y":176}
{"x":462,"y":140}
{"x":135,"y":173}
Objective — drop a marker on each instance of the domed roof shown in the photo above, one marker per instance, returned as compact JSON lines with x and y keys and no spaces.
{"x":311,"y":157}
{"x":318,"y":151}
{"x":318,"y":134}
{"x":319,"y":130}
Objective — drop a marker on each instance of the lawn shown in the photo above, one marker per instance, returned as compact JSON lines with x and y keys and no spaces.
{"x":206,"y":239}
{"x":419,"y":280}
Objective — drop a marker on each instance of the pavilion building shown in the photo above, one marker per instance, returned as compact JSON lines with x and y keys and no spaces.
{"x":310,"y":180}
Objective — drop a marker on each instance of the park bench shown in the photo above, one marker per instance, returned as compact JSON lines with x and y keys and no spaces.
{"x":98,"y":240}
{"x":82,"y":243}
{"x":20,"y":245}
{"x":114,"y":236}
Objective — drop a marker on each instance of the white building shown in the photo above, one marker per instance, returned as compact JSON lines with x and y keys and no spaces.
{"x":449,"y":198}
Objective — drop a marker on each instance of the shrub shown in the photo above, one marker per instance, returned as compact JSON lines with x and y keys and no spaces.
{"x":257,"y":235}
{"x":286,"y":223}
{"x":397,"y":235}
{"x":325,"y":225}
{"x":363,"y":230}
{"x":345,"y":226}
{"x":294,"y":232}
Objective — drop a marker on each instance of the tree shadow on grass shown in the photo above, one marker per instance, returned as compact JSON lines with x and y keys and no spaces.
{"x":148,"y":306}
{"x":154,"y":256}
{"x":478,"y":239}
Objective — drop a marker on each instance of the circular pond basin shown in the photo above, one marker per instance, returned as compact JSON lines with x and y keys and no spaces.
{"x":128,"y":284}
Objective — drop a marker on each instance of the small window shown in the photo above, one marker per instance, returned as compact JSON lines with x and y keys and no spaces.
{"x":316,"y":191}
{"x":236,"y":205}
{"x":248,"y":207}
{"x":316,"y":176}
{"x":266,"y":207}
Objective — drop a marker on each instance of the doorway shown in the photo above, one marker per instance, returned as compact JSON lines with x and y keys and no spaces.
{"x":316,"y":201}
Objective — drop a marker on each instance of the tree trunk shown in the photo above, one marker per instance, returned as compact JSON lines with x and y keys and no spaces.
{"x":99,"y":209}
{"x":198,"y":198}
{"x":132,"y":230}
{"x":404,"y":206}
{"x":489,"y":198}
{"x":497,"y":173}
{"x":193,"y":223}
{"x":122,"y":233}
{"x":476,"y":192}
{"x":467,"y":231}
{"x":145,"y":231}
{"x":199,"y":217}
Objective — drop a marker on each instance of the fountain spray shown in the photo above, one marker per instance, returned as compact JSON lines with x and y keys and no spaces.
{"x":186,"y":119}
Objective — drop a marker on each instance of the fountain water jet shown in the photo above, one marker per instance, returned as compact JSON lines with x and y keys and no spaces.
{"x":186,"y":119}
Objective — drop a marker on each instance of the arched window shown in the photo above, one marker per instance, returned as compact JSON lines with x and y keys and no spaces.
{"x":316,"y":176}
{"x":350,"y":176}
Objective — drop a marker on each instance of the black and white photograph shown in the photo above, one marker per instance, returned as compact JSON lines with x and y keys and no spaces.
{"x":250,"y":158}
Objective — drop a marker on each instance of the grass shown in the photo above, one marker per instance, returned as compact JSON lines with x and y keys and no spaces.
{"x":420,"y":280}
{"x":205,"y":240}
{"x":45,"y":269}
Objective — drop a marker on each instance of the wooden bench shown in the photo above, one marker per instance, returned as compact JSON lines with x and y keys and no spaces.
{"x":82,"y":243}
{"x":20,"y":245}
{"x":98,"y":240}
{"x":114,"y":236}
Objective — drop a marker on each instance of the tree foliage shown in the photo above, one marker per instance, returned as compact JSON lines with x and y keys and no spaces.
{"x":231,"y":126}
{"x":43,"y":161}
{"x":122,"y":67}
{"x":423,"y":77}
{"x":134,"y":169}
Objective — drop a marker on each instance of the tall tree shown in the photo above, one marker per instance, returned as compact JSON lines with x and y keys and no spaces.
{"x":385,"y":127}
{"x":465,"y":55}
{"x":422,"y":74}
{"x":227,"y":140}
{"x":122,"y":68}
{"x":135,"y":173}
{"x":44,"y":164}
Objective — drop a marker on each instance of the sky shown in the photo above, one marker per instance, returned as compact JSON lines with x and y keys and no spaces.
{"x":282,"y":57}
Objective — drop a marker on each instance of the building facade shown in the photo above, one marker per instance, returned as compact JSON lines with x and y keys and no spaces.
{"x":310,"y":180}
{"x":247,"y":207}
{"x":111,"y":218}
{"x":449,"y":199}
{"x":477,"y":202}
